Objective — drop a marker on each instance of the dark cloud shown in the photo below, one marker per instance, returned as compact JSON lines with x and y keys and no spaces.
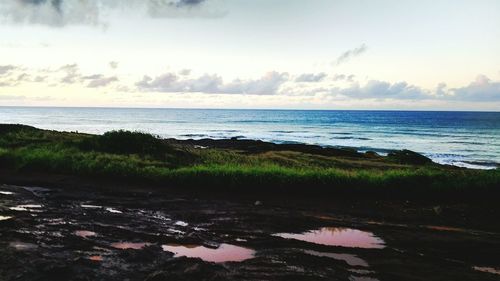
{"x":213,"y":84}
{"x":346,"y":56}
{"x":58,"y":13}
{"x":311,"y":77}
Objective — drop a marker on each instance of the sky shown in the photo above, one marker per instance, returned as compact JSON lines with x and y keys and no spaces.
{"x":294,"y":54}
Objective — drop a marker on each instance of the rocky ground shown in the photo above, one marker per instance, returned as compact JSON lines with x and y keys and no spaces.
{"x":55,"y":233}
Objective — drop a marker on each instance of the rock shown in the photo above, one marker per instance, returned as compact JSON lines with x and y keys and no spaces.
{"x":408,"y":157}
{"x":258,"y":203}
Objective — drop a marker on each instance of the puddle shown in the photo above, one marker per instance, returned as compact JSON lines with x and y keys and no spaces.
{"x":88,"y":206}
{"x":114,"y":211}
{"x":129,"y":245}
{"x":351,"y":260}
{"x":21,"y":246}
{"x":338,"y":236}
{"x":224,"y":253}
{"x":85,"y":233}
{"x":95,"y":258}
{"x":28,"y":207}
{"x":4,"y":218}
{"x":181,"y":223}
{"x":445,"y":228}
{"x":487,"y":269}
{"x":6,"y":192}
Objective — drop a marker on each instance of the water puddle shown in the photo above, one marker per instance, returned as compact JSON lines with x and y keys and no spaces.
{"x":181,"y":223}
{"x":95,"y":258}
{"x":21,"y":246}
{"x":28,"y":207}
{"x":338,"y":236}
{"x":351,"y":260}
{"x":4,"y":218}
{"x":130,"y":245}
{"x":224,"y":253}
{"x":6,"y":193}
{"x":89,"y":206}
{"x":114,"y":211}
{"x":85,"y":233}
{"x":487,"y":269}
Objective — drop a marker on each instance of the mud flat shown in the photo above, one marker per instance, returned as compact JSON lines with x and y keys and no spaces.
{"x":94,"y":233}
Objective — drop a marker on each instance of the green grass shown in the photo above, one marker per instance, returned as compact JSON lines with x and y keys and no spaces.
{"x":134,"y":156}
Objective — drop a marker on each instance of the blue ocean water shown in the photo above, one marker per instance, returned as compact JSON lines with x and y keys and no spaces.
{"x":468,"y":139}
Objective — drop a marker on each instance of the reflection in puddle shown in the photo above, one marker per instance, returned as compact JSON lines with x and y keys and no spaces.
{"x":487,"y":269}
{"x":181,"y":223}
{"x":95,"y":258}
{"x":6,"y":192}
{"x":445,"y":228}
{"x":224,"y":253}
{"x":85,"y":233}
{"x":3,"y":218}
{"x":351,"y":260}
{"x":129,"y":245}
{"x":114,"y":211}
{"x":88,"y":206}
{"x":21,"y":246}
{"x":28,"y":207}
{"x":338,"y":236}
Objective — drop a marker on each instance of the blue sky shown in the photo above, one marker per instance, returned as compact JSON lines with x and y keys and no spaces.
{"x":323,"y":54}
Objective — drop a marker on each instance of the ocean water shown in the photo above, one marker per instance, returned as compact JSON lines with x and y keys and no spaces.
{"x":467,"y":139}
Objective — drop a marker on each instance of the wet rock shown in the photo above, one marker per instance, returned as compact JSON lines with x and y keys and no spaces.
{"x":184,"y":269}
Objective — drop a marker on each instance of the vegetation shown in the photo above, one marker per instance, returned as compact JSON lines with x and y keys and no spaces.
{"x":135,"y":156}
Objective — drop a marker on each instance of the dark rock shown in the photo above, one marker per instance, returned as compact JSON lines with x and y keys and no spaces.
{"x":408,"y":157}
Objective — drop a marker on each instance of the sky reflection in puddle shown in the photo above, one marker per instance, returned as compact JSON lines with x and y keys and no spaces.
{"x":130,"y":245}
{"x":338,"y":236}
{"x":3,"y":218}
{"x":6,"y":192}
{"x":27,"y":207}
{"x":21,"y":246}
{"x":487,"y":269}
{"x":224,"y":253}
{"x":85,"y":233}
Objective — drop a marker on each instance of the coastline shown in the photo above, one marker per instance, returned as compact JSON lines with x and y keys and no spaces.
{"x":236,"y":165}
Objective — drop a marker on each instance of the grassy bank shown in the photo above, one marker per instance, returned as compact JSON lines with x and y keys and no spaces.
{"x":252,"y":167}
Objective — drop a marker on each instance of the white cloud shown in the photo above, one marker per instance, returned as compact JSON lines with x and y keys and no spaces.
{"x":171,"y":82}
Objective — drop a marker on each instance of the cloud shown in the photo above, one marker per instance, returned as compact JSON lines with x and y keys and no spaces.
{"x":113,"y":64}
{"x":344,"y":77}
{"x":5,"y":69}
{"x":58,"y":13}
{"x":481,"y":89}
{"x":213,"y":84}
{"x":311,"y":77}
{"x":101,"y":81}
{"x":375,"y":89}
{"x":346,"y":56}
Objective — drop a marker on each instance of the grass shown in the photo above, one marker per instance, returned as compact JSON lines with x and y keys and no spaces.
{"x":135,"y":156}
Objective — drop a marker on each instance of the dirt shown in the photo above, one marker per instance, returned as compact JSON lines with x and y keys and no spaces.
{"x":87,"y":232}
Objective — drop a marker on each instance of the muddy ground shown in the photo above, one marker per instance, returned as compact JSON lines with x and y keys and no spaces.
{"x":92,"y":233}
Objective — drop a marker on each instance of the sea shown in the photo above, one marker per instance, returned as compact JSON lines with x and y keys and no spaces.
{"x":465,"y":139}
